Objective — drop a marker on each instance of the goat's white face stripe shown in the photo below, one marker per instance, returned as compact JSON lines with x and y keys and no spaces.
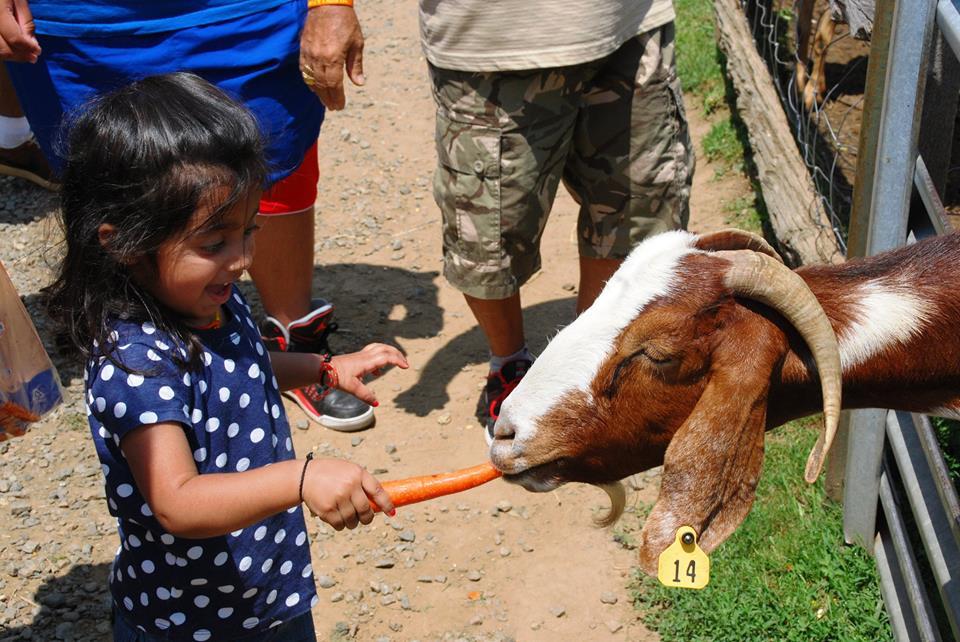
{"x":888,"y":312}
{"x":575,"y":355}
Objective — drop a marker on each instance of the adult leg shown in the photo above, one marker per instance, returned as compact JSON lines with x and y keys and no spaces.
{"x":283,"y":273}
{"x":501,"y":142}
{"x":594,"y":274}
{"x":9,"y":105}
{"x":501,"y":321}
{"x":632,"y":162}
{"x":19,"y":154}
{"x":282,"y":269}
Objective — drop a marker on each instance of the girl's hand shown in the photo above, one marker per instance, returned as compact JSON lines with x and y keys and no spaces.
{"x":336,"y":491}
{"x":352,"y":367}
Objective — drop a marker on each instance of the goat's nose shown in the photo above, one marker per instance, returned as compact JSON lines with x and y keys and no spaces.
{"x":503,"y":430}
{"x":505,"y":452}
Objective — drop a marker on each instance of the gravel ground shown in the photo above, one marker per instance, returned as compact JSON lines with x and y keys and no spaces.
{"x":493,"y":564}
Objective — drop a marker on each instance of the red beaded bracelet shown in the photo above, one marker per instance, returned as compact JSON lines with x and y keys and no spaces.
{"x":328,"y":374}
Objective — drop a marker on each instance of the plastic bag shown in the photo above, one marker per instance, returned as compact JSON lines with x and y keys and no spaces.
{"x":29,"y":385}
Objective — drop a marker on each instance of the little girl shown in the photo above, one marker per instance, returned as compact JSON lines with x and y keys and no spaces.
{"x":159,"y":205}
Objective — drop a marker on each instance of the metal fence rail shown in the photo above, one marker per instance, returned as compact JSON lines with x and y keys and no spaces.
{"x":899,"y":501}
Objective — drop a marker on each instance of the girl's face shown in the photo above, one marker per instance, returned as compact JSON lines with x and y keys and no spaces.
{"x":194,"y":272}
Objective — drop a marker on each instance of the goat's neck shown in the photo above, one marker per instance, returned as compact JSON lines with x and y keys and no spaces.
{"x":897,"y":320}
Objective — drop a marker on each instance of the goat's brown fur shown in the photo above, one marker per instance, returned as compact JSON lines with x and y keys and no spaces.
{"x":919,"y":375}
{"x":699,"y":375}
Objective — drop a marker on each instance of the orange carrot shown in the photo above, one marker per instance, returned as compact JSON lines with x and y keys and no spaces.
{"x":418,"y":489}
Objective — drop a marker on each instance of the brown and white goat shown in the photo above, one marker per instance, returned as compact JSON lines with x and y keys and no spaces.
{"x":699,"y":344}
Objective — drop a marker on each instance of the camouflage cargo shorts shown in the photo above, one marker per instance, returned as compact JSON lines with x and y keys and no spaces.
{"x":613,"y":129}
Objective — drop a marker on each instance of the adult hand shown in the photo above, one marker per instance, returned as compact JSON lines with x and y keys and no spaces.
{"x":17,"y":42}
{"x":331,"y":41}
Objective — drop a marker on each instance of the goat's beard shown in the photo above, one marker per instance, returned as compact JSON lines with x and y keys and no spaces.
{"x":614,"y":490}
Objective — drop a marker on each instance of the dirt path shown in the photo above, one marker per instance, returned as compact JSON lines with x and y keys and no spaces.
{"x":496,"y":563}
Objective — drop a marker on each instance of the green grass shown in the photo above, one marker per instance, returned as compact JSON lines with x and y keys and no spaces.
{"x":948,"y":436}
{"x":785,"y":574}
{"x":721,"y":144}
{"x":742,"y":213}
{"x":700,"y":66}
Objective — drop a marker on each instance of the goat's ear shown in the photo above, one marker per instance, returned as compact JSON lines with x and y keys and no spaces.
{"x":713,"y":462}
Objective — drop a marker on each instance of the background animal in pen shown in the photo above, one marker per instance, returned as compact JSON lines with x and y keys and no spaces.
{"x":811,"y":80}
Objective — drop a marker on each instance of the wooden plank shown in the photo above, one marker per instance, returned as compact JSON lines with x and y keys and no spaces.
{"x":802,"y":228}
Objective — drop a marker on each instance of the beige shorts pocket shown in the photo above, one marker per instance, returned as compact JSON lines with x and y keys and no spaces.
{"x":466,"y":187}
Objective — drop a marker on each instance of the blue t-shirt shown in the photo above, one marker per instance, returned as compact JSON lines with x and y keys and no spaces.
{"x":248,"y":48}
{"x":197,"y":589}
{"x":100,"y":17}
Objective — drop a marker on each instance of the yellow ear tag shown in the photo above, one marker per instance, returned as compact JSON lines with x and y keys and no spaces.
{"x":683,"y":564}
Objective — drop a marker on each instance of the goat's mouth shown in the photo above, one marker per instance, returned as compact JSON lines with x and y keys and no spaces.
{"x":538,"y":479}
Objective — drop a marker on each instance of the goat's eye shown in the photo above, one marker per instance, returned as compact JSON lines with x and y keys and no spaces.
{"x":611,"y":389}
{"x":658,"y":357}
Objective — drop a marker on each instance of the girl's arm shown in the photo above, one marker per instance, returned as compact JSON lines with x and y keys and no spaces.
{"x":188,"y":504}
{"x":298,"y":369}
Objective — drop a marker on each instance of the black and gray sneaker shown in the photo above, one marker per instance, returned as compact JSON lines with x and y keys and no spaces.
{"x":332,"y":408}
{"x":500,"y":383}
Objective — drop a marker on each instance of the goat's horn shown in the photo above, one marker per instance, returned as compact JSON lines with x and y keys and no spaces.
{"x":734,"y":239}
{"x":759,"y":277}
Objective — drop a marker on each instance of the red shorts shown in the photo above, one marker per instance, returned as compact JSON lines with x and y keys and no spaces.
{"x":295,"y":193}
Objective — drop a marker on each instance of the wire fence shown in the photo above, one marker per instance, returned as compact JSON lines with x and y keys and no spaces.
{"x":827,"y":128}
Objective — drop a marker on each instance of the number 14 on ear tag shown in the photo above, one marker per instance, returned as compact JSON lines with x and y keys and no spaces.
{"x":683,"y":564}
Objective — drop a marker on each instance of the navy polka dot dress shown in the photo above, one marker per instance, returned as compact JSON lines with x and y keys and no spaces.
{"x":220,"y":588}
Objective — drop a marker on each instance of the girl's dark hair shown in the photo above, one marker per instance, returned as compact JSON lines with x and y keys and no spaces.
{"x":141,"y":159}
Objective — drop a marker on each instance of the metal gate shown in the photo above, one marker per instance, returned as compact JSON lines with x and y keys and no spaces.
{"x":898,"y":499}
